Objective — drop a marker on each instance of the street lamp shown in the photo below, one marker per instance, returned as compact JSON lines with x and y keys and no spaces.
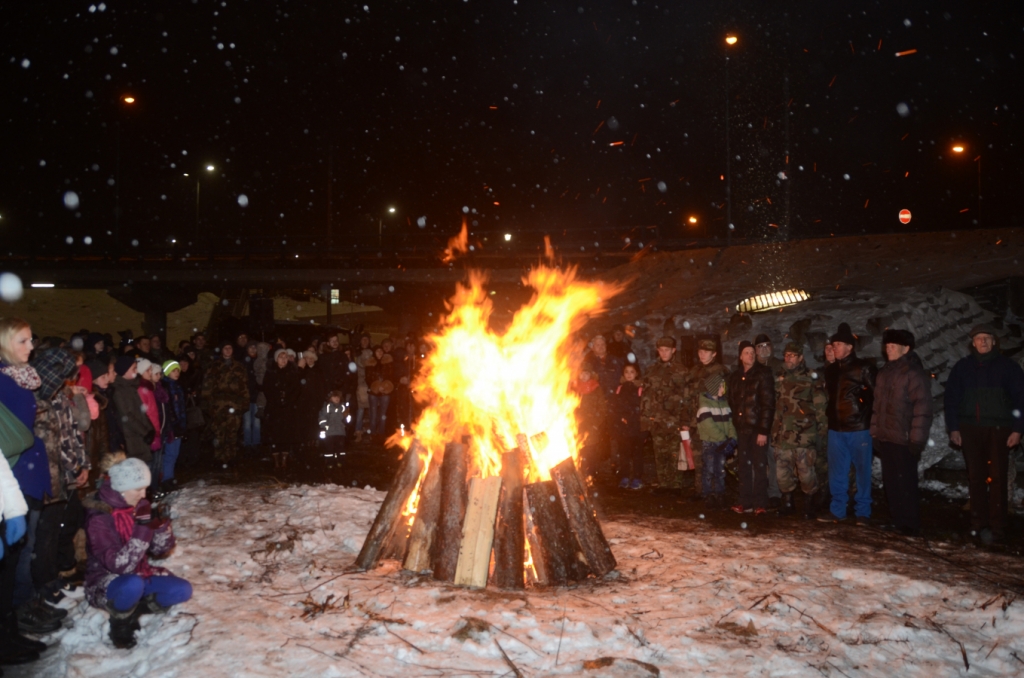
{"x":209,"y":168}
{"x":380,"y":229}
{"x":959,"y":149}
{"x":730,"y":40}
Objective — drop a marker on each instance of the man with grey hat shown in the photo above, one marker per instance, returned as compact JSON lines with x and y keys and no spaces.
{"x":661,"y":409}
{"x":984,"y":402}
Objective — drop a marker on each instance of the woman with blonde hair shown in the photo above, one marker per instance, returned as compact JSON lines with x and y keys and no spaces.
{"x":31,"y":469}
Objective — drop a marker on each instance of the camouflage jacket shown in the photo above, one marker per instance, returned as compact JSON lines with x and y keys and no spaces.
{"x":662,"y":399}
{"x":801,"y":402}
{"x":226,"y":384}
{"x":65,"y":446}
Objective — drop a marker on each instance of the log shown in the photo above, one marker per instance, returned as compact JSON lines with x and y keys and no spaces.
{"x":556,"y":555}
{"x":444,"y":554}
{"x":509,"y":530}
{"x":390,"y":514}
{"x":421,"y":537}
{"x":478,"y":532}
{"x":582,"y":518}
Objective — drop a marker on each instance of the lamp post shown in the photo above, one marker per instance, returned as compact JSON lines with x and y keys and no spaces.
{"x":208,"y":168}
{"x":380,"y":229}
{"x":128,"y":100}
{"x":959,"y":149}
{"x":730,"y":40}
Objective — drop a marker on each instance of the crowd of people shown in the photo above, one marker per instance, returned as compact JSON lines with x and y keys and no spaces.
{"x":802,"y":438}
{"x":92,"y":430}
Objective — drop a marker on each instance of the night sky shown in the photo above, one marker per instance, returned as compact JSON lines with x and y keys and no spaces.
{"x":601,"y":124}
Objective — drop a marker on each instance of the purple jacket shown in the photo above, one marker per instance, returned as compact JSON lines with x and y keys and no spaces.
{"x":109,"y":555}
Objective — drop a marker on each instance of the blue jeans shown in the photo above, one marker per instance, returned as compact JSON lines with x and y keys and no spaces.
{"x":378,"y":413}
{"x":251,"y":427}
{"x":171,"y":452}
{"x":713,"y":471}
{"x":844,"y":449}
{"x":125,"y":591}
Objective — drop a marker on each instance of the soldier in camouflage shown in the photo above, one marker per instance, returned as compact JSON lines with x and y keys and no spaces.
{"x":661,"y":411}
{"x":695,"y":378}
{"x":800,"y":431}
{"x":225,"y":396}
{"x":765,"y":353}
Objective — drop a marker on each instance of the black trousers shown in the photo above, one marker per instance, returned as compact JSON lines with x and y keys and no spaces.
{"x":899,"y":477}
{"x":988,"y":461}
{"x":55,"y":539}
{"x":752,"y":467}
{"x":631,"y":451}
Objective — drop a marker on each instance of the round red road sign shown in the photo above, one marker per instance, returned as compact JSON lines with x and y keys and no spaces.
{"x":905,"y":216}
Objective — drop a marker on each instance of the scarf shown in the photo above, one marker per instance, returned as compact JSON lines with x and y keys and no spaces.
{"x":24,"y":376}
{"x":124,"y":523}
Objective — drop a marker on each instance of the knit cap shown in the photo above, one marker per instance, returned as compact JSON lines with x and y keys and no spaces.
{"x":123,"y":364}
{"x":712,"y":382}
{"x":169,"y":366}
{"x":144,"y":366}
{"x":130,"y":474}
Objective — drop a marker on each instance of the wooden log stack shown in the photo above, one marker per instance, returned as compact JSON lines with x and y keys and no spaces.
{"x":474,"y":531}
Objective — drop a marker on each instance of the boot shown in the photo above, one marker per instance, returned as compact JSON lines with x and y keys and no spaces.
{"x":123,"y":626}
{"x":786,"y":507}
{"x":148,"y":605}
{"x":284,"y":461}
{"x":811,"y":506}
{"x":277,"y":460}
{"x":358,"y":436}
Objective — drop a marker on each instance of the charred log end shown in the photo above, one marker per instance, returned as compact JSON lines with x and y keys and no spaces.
{"x":582,"y":518}
{"x":390,"y":514}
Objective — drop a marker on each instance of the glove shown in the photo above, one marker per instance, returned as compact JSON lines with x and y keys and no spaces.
{"x":157,"y":523}
{"x":143,"y":512}
{"x":916,"y":449}
{"x":149,"y":437}
{"x":15,"y":529}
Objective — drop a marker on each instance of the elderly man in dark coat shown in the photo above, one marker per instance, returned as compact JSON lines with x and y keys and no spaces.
{"x":900,"y":421}
{"x":984,"y":406}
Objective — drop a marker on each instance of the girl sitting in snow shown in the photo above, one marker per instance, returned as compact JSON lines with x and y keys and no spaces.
{"x":121,"y":531}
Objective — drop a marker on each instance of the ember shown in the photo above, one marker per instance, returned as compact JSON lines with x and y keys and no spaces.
{"x":491,"y":465}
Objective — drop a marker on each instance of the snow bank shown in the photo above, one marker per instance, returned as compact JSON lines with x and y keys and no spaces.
{"x":272,"y":597}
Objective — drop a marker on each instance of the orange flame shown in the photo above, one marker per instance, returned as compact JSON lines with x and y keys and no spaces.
{"x":457,"y":245}
{"x":490,"y":386}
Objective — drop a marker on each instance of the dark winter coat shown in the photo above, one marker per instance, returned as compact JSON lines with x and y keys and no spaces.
{"x":135,"y":425}
{"x":902,"y":410}
{"x":314,"y":392}
{"x":110,"y":555}
{"x":98,"y":440}
{"x":624,"y":409}
{"x":752,"y":398}
{"x":851,"y":387}
{"x":282,"y":389}
{"x":65,"y":446}
{"x":32,"y":471}
{"x":985,"y":390}
{"x":381,"y":370}
{"x":608,"y":370}
{"x":176,"y":408}
{"x":334,"y":365}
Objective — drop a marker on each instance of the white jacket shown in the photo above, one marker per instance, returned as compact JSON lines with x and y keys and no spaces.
{"x":12,"y":502}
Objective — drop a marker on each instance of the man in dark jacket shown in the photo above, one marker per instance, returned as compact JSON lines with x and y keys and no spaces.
{"x":851,"y":384}
{"x":608,"y":371}
{"x":984,"y":402}
{"x":135,"y":425}
{"x":751,"y":392}
{"x":766,"y":356}
{"x":900,"y":421}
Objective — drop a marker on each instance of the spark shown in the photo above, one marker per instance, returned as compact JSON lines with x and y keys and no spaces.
{"x":906,"y":52}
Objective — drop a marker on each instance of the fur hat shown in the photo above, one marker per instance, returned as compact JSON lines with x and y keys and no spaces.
{"x":845,"y":335}
{"x":762,"y":339}
{"x":123,"y":364}
{"x":901,"y":337}
{"x":130,"y":474}
{"x":666,"y":341}
{"x":983,"y":329}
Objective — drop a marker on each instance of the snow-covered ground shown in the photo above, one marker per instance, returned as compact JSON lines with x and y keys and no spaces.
{"x":273,"y":598}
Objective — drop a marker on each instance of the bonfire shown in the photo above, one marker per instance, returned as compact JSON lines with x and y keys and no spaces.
{"x":488,"y":489}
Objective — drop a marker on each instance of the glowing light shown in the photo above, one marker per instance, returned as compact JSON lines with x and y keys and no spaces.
{"x":391,"y":210}
{"x":43,"y":285}
{"x":128,"y":100}
{"x":771,"y":300}
{"x":210,"y":168}
{"x":508,"y":237}
{"x":692,"y":220}
{"x":731,"y":39}
{"x":958,"y":149}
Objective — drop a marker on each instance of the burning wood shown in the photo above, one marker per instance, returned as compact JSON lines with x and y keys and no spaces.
{"x":498,"y":505}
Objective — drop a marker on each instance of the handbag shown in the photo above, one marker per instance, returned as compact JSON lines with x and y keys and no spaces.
{"x":194,"y":415}
{"x":15,"y":437}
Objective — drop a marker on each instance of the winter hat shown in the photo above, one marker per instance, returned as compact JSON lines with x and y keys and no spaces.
{"x":169,"y":366}
{"x":123,"y":364}
{"x":130,"y":474}
{"x":291,"y":353}
{"x":144,"y":365}
{"x":983,"y":329}
{"x":845,"y":335}
{"x":310,"y":356}
{"x":53,"y":365}
{"x":901,"y":337}
{"x":666,"y":341}
{"x":793,"y":347}
{"x":707,"y":345}
{"x":712,"y":382}
{"x":762,"y":339}
{"x":279,"y":352}
{"x":92,"y":339}
{"x":743,"y":344}
{"x":96,"y":368}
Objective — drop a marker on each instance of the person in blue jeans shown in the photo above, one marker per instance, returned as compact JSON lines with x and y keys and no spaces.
{"x":176,"y":426}
{"x":851,"y":388}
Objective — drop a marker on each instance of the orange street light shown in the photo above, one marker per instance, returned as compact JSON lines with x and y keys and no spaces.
{"x":958,"y":149}
{"x":692,"y":220}
{"x":128,"y":99}
{"x":731,"y":39}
